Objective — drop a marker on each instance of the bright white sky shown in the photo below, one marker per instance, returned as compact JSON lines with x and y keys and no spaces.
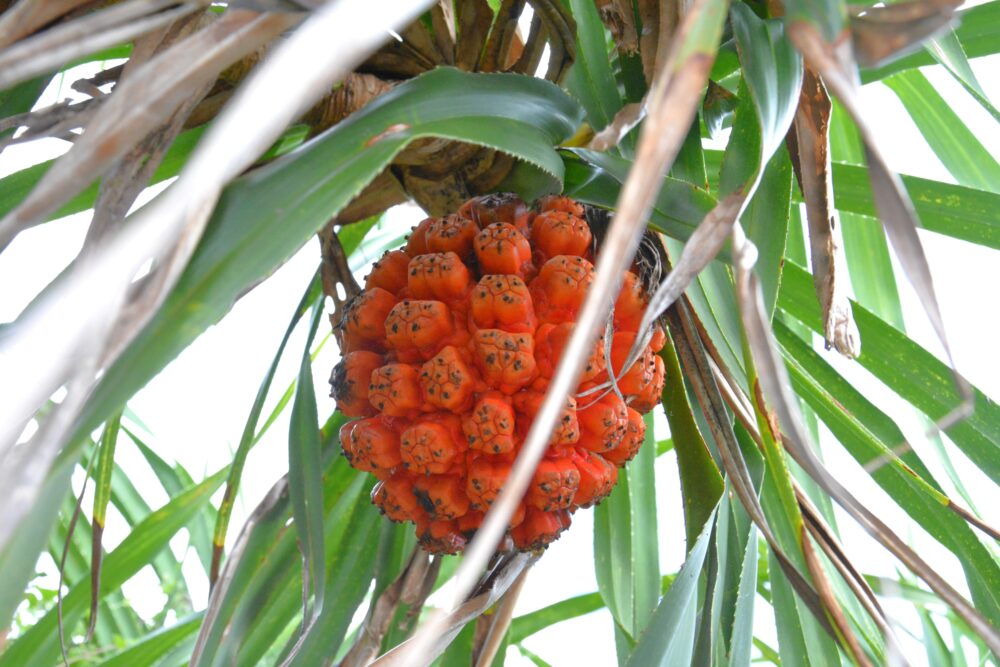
{"x":196,"y":408}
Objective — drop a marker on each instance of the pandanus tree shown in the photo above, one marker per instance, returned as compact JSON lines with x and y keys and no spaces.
{"x":655,"y":229}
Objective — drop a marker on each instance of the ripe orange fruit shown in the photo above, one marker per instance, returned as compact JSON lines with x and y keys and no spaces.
{"x":447,"y":354}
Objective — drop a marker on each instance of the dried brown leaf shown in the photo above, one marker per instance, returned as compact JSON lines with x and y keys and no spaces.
{"x":142,"y":103}
{"x":443,"y":23}
{"x":812,"y":144}
{"x":835,"y":65}
{"x":830,"y":602}
{"x":617,"y":16}
{"x":884,"y":32}
{"x":368,"y":638}
{"x":625,"y":120}
{"x":27,"y":16}
{"x":495,"y":586}
{"x":53,"y":48}
{"x":474,"y":18}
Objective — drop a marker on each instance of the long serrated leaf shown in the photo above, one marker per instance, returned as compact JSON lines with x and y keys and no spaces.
{"x":305,"y":484}
{"x":102,"y":496}
{"x":626,"y":558}
{"x":590,"y":79}
{"x":669,"y":638}
{"x":701,"y":481}
{"x":149,"y":651}
{"x":248,"y":437}
{"x":39,"y":645}
{"x":869,"y":435}
{"x":910,"y":371}
{"x":958,"y":148}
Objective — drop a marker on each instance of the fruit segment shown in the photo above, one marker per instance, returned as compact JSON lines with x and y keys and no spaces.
{"x":448,"y":352}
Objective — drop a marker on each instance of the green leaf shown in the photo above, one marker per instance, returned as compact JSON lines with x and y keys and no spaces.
{"x":871,"y":437}
{"x":596,"y":178}
{"x":174,"y":479}
{"x":743,"y":619}
{"x":701,"y":481}
{"x":727,"y":624}
{"x":249,"y":436}
{"x":524,"y":626}
{"x":102,"y":496}
{"x":351,"y":568}
{"x":865,"y":247}
{"x":772,"y":71}
{"x":792,"y":643}
{"x":669,"y":637}
{"x":155,"y":645}
{"x":766,"y":223}
{"x":953,"y":210}
{"x":944,"y":130}
{"x":590,"y":79}
{"x":948,"y":51}
{"x":305,"y":469}
{"x":626,"y":557}
{"x":909,"y":370}
{"x":40,"y":645}
{"x":264,"y":590}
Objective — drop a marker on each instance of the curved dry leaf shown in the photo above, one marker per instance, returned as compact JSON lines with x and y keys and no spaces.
{"x":888,"y":31}
{"x":627,"y":118}
{"x":404,"y":590}
{"x":812,"y":149}
{"x":835,"y":65}
{"x":27,"y":16}
{"x":51,"y":49}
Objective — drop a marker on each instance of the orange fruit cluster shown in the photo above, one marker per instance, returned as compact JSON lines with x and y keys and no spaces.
{"x":447,"y":354}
